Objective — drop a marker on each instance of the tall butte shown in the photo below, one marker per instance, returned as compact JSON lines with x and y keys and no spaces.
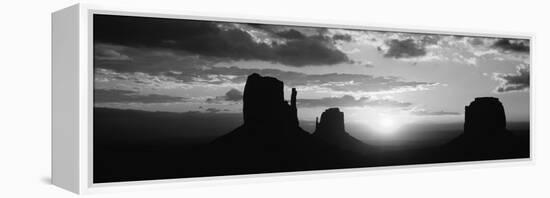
{"x":268,"y":118}
{"x":264,"y":105}
{"x":485,"y":135}
{"x":270,"y":138}
{"x":484,"y":116}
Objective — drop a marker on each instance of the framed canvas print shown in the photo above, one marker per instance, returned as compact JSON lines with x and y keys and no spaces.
{"x":142,"y":97}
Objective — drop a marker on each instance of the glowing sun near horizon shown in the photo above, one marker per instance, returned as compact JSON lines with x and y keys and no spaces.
{"x":387,"y":125}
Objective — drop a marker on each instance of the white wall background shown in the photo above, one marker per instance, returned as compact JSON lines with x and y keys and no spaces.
{"x":26,"y":92}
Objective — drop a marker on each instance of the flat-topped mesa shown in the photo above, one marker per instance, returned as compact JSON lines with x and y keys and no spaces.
{"x":332,"y":121}
{"x":262,"y":99}
{"x":484,"y":116}
{"x":264,"y":104}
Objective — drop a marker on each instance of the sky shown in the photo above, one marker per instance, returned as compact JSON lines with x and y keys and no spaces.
{"x":381,"y":79}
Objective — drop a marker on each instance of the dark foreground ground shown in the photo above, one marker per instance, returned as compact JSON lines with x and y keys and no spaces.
{"x":136,"y":145}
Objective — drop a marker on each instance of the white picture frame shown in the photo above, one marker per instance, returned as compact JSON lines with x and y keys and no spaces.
{"x":72,"y":97}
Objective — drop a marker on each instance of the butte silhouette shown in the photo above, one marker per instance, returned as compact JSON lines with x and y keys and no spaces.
{"x":331,"y":130}
{"x":485,"y":135}
{"x":271,"y":139}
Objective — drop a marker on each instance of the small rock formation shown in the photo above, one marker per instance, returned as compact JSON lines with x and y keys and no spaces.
{"x":484,"y":116}
{"x":331,"y":129}
{"x":332,"y":122}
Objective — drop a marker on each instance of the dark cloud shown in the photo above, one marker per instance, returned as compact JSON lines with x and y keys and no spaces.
{"x":430,"y":40}
{"x":476,"y":41}
{"x":512,"y":45}
{"x":232,"y":95}
{"x":409,"y":45}
{"x":152,"y":61}
{"x":308,"y":52}
{"x":307,"y":32}
{"x":212,"y":39}
{"x":291,"y":34}
{"x":103,"y":53}
{"x":341,"y":37}
{"x":350,"y":101}
{"x":128,"y":96}
{"x":407,"y":48}
{"x":433,"y":113}
{"x":213,"y":110}
{"x":518,"y":81}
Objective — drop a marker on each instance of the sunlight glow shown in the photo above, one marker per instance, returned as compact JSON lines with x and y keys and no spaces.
{"x":387,"y":125}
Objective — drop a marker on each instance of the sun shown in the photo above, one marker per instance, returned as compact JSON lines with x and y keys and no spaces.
{"x":386,"y":122}
{"x":387,"y":125}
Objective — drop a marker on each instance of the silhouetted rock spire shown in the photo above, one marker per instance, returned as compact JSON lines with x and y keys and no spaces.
{"x":316,"y":123}
{"x":484,"y":116}
{"x":293,"y":108}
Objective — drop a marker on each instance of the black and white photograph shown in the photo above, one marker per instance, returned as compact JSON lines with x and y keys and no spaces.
{"x":182,"y":98}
